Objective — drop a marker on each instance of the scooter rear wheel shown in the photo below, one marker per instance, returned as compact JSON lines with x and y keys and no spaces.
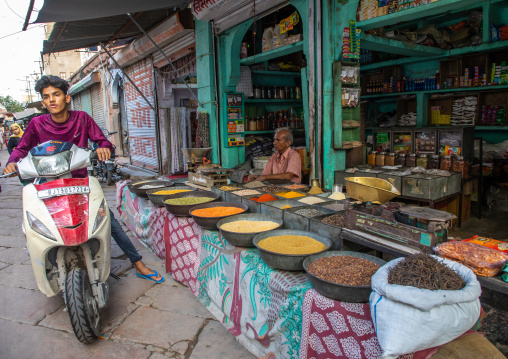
{"x":82,"y":307}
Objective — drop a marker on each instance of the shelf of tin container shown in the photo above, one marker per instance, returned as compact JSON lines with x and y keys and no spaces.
{"x":276,"y":73}
{"x":270,"y":101}
{"x":269,"y":55}
{"x":450,"y":90}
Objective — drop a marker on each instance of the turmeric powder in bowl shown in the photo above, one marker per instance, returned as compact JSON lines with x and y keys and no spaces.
{"x":289,"y":244}
{"x":290,"y":194}
{"x":173,"y":191}
{"x":217,"y":211}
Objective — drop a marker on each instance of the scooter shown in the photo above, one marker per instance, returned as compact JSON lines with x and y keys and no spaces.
{"x":106,"y":171}
{"x":68,"y":230}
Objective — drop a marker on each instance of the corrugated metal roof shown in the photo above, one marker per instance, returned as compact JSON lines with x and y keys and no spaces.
{"x":87,"y":33}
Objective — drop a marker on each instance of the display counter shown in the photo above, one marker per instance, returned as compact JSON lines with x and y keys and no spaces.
{"x":273,"y":313}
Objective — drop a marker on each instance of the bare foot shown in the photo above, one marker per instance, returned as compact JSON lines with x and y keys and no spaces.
{"x":144,"y":270}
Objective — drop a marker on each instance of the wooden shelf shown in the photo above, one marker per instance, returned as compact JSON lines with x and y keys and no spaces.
{"x":447,"y":90}
{"x":265,"y":56}
{"x":440,"y":7}
{"x":276,"y":73}
{"x":271,"y":101}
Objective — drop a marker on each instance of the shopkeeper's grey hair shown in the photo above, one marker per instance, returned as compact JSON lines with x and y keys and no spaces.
{"x":286,"y":132}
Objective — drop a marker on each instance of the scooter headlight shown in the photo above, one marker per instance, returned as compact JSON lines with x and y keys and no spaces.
{"x":39,"y":227}
{"x":101,"y":216}
{"x":53,"y":165}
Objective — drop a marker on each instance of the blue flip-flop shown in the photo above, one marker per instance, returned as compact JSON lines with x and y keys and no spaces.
{"x":149,"y":277}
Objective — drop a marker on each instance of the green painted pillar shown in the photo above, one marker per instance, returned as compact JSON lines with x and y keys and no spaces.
{"x":206,"y":81}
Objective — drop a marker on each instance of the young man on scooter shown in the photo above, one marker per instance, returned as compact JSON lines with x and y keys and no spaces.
{"x":76,"y":127}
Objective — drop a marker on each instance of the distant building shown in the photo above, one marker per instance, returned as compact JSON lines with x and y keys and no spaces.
{"x":61,"y":64}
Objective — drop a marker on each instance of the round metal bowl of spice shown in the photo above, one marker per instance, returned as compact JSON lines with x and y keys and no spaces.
{"x":179,"y":204}
{"x":207,"y":215}
{"x":140,"y":189}
{"x":342,"y":275}
{"x":241,"y":229}
{"x":287,"y":248}
{"x":158,"y":195}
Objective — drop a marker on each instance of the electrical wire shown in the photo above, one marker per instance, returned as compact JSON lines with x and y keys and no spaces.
{"x":17,"y":32}
{"x":14,"y":12}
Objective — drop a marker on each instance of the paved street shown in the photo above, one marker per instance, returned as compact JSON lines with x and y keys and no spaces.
{"x":142,"y":320}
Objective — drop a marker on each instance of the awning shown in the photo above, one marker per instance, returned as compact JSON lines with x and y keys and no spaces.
{"x":77,"y":10}
{"x":85,"y":83}
{"x":79,"y":34}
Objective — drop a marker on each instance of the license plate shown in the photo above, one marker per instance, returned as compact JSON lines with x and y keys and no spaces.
{"x":63,"y":191}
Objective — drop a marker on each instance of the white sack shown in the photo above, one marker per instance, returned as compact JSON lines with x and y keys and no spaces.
{"x":408,"y":319}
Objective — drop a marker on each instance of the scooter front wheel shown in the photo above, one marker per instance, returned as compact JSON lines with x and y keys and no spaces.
{"x":82,"y":307}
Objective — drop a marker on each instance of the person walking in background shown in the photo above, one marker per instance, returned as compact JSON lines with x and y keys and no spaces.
{"x":14,"y":140}
{"x":2,"y":136}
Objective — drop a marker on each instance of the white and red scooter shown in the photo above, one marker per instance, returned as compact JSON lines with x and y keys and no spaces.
{"x":68,"y":230}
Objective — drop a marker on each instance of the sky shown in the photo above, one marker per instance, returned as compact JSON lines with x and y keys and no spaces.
{"x":20,"y":52}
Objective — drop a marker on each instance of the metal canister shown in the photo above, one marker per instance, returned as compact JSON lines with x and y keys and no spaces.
{"x":298,"y":92}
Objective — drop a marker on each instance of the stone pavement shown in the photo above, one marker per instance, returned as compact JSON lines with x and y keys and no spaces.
{"x":143,"y":319}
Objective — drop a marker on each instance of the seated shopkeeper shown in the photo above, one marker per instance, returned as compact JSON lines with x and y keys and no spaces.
{"x":285,"y":163}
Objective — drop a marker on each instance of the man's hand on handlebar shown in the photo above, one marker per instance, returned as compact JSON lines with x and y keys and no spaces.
{"x":104,"y":154}
{"x":11,"y":167}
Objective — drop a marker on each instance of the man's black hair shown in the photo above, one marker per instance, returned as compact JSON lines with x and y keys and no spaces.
{"x":50,"y":80}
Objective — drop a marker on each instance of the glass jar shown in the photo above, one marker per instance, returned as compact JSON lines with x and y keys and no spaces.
{"x":390,"y":159}
{"x":275,"y":92}
{"x":400,"y":160}
{"x":298,"y":93}
{"x":251,"y":124}
{"x":287,"y":93}
{"x":460,"y":165}
{"x":434,"y":162}
{"x":269,"y":93}
{"x":258,"y":92}
{"x":371,"y":158}
{"x":422,"y":160}
{"x":446,"y":163}
{"x":265,"y":123}
{"x":411,"y":160}
{"x":264,"y":92}
{"x":259,"y":123}
{"x":292,"y":95}
{"x":282,"y":92}
{"x":380,"y":159}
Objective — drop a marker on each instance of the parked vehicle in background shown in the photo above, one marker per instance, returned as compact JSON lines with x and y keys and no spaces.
{"x":107,"y":171}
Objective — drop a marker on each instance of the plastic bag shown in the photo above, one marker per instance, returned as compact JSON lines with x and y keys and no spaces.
{"x":489,"y":243}
{"x":349,"y":75}
{"x":350,"y":97}
{"x":483,"y":261}
{"x":408,"y":319}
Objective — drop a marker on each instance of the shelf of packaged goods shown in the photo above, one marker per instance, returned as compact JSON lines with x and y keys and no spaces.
{"x":272,"y":101}
{"x":269,"y":131}
{"x":276,"y":73}
{"x":487,"y":46}
{"x":420,"y":12}
{"x":450,"y":90}
{"x":269,"y":55}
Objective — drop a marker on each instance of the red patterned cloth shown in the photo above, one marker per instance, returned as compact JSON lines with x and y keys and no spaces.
{"x":332,"y":329}
{"x":183,"y":245}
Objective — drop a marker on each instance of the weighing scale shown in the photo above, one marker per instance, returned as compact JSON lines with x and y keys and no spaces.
{"x":419,"y":227}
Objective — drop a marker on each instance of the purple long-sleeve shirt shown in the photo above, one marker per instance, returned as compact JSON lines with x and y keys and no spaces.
{"x":78,"y":129}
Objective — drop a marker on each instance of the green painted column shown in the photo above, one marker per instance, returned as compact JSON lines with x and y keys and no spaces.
{"x":206,"y":81}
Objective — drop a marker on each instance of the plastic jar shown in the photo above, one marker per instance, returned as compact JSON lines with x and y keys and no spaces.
{"x":422,"y":160}
{"x":460,"y":165}
{"x":390,"y":159}
{"x":411,"y":160}
{"x":380,"y":158}
{"x":400,"y":160}
{"x":371,"y":158}
{"x":446,"y":163}
{"x":434,"y":162}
